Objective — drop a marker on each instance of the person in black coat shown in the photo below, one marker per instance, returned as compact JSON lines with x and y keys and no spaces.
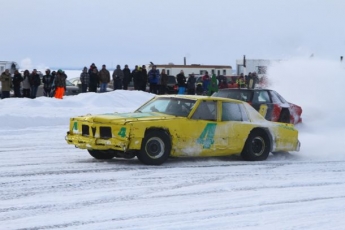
{"x":93,"y":83}
{"x":35,"y":81}
{"x":144,"y":78}
{"x":17,"y":80}
{"x":181,"y":82}
{"x":138,"y":79}
{"x":191,"y":84}
{"x":127,"y":77}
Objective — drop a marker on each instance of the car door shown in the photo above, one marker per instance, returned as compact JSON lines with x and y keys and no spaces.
{"x":207,"y":137}
{"x":261,"y":101}
{"x":234,"y":126}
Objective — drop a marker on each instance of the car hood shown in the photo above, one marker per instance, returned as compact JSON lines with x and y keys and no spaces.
{"x":123,"y":118}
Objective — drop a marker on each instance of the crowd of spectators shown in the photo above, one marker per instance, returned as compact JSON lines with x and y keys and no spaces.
{"x":26,"y":84}
{"x":92,"y":79}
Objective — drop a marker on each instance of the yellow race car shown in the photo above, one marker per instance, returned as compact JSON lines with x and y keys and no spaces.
{"x":182,"y":126}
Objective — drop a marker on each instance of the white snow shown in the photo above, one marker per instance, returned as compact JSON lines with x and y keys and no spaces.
{"x":48,"y":184}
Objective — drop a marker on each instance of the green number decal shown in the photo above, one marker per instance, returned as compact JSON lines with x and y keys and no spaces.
{"x":75,"y":125}
{"x":207,"y":136}
{"x":122,"y":132}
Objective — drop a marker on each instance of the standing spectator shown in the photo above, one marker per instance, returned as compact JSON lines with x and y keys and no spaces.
{"x":6,"y":83}
{"x":181,"y":82}
{"x":52,"y":92}
{"x":137,"y":78}
{"x":92,"y":67}
{"x":247,"y":78}
{"x":127,"y":77}
{"x":26,"y":84}
{"x":134,"y":71}
{"x":163,"y":82}
{"x":104,"y":78}
{"x":191,"y":84}
{"x":85,"y":80}
{"x":35,"y":81}
{"x":17,"y":80}
{"x":241,"y":82}
{"x":205,"y":82}
{"x":213,"y":87}
{"x":60,"y":84}
{"x":255,"y":79}
{"x":93,"y":83}
{"x":144,"y":78}
{"x":153,"y":78}
{"x":47,"y":83}
{"x":117,"y":77}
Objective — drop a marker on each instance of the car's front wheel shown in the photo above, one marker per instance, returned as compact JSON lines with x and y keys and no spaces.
{"x":102,"y":154}
{"x":155,"y":148}
{"x":257,"y":146}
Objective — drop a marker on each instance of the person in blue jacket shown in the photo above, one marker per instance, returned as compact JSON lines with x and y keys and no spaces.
{"x":153,"y":77}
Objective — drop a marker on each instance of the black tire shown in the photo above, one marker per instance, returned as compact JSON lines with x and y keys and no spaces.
{"x":257,"y":146}
{"x":102,"y":154}
{"x":155,"y":148}
{"x":281,"y":154}
{"x":284,"y":116}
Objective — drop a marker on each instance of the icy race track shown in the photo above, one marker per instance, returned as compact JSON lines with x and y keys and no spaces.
{"x":47,"y":184}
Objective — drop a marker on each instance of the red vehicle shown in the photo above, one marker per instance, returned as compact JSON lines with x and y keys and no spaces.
{"x":275,"y":108}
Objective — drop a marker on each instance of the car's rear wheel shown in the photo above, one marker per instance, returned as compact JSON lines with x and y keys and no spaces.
{"x":102,"y":154}
{"x":155,"y":148}
{"x":284,"y":116}
{"x":257,"y":146}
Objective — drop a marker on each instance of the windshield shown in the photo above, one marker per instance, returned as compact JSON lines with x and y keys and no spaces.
{"x":172,"y":106}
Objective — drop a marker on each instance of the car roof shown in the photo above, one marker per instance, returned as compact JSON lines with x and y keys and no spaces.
{"x":244,"y":89}
{"x":198,"y":97}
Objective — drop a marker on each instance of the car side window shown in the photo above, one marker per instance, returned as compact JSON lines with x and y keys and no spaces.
{"x":261,"y":97}
{"x":231,"y":112}
{"x":207,"y":110}
{"x":275,"y":98}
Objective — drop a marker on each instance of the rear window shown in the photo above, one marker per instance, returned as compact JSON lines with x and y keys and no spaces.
{"x":242,"y":95}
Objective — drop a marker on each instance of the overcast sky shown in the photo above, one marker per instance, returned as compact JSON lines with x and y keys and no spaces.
{"x":75,"y":33}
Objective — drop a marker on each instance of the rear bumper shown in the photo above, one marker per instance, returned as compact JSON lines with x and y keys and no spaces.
{"x":298,"y":146}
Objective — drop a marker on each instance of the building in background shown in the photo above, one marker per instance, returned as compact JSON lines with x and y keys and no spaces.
{"x":260,"y":66}
{"x":11,"y":65}
{"x":172,"y":69}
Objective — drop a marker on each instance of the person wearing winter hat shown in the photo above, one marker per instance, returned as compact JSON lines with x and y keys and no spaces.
{"x":85,"y":80}
{"x":17,"y":80}
{"x":47,"y":83}
{"x":118,"y":77}
{"x":60,"y":84}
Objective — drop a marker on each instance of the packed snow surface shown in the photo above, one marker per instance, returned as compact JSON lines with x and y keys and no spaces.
{"x":48,"y":184}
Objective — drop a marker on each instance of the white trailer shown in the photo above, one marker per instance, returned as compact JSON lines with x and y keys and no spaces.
{"x":260,"y":66}
{"x":11,"y":65}
{"x":197,"y":69}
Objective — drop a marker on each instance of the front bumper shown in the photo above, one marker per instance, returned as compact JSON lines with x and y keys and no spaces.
{"x":88,"y":142}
